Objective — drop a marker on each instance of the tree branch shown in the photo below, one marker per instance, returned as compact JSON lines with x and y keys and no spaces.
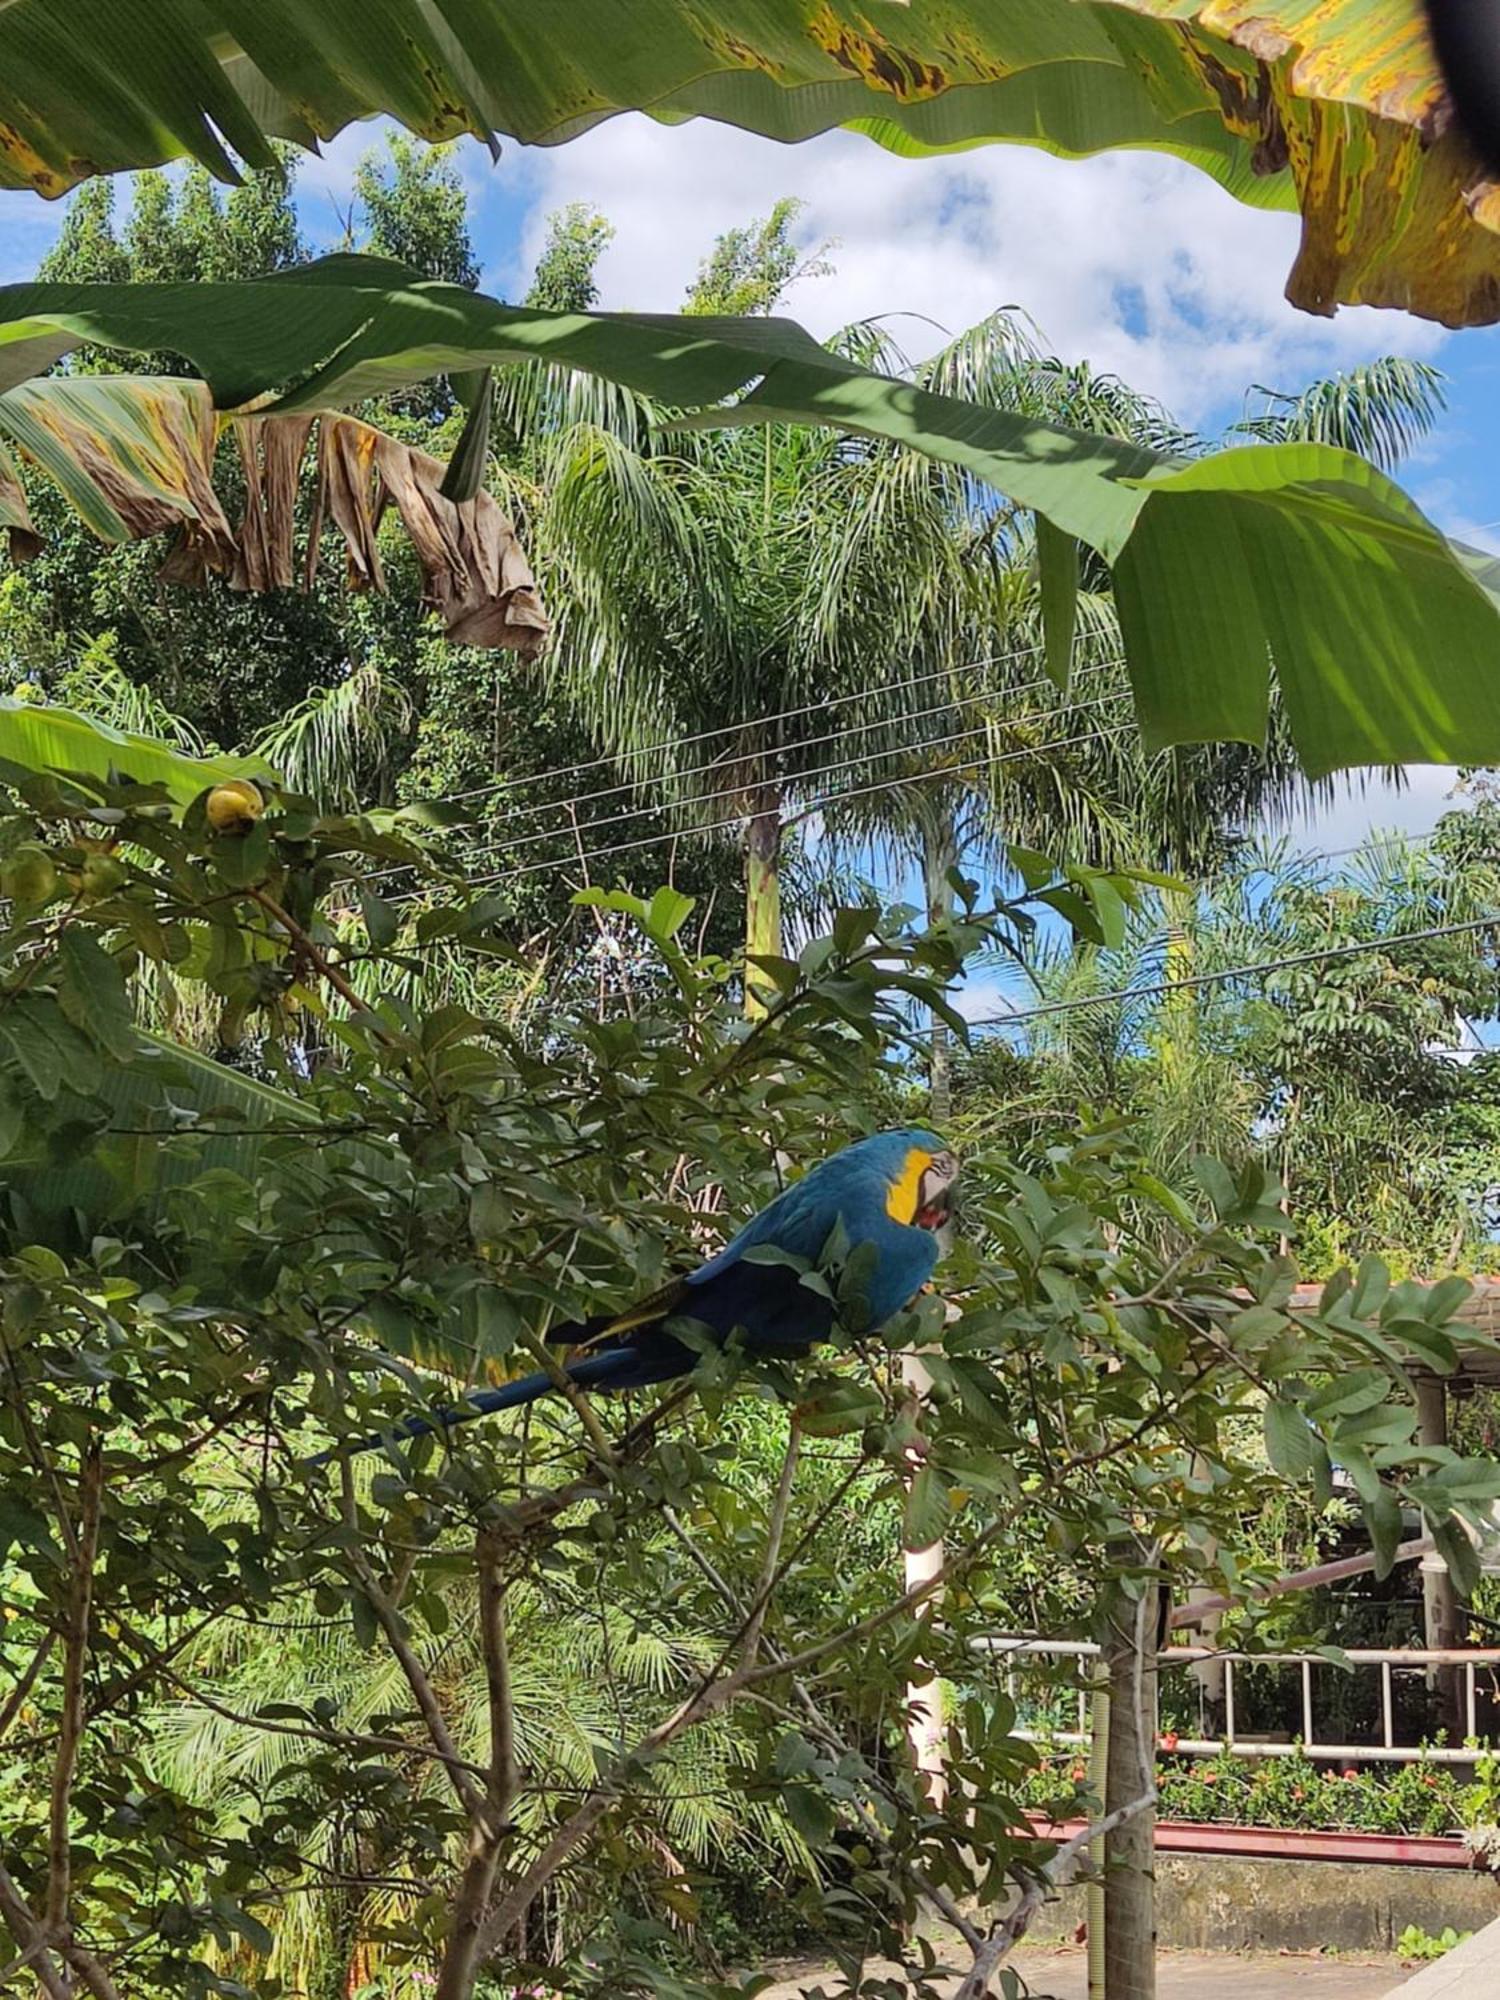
{"x":1058,"y":1872}
{"x":339,"y":1739}
{"x":467,"y":1927}
{"x":709,"y":1696}
{"x":33,"y":1938}
{"x":15,"y":1701}
{"x":470,"y":1797}
{"x":869,"y":1821}
{"x":71,"y":1727}
{"x":775,"y":1534}
{"x":504,"y":1777}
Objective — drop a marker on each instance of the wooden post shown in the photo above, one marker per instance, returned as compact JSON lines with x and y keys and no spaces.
{"x":1094,"y":1894}
{"x":1441,"y":1617}
{"x":1130,"y":1850}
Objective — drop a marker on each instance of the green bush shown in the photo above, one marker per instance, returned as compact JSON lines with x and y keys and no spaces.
{"x":1291,"y":1792}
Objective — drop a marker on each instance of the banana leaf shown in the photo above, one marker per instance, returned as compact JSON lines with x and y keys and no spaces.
{"x":1331,"y":107}
{"x":60,"y":743}
{"x":134,"y":456}
{"x":1298,"y":560}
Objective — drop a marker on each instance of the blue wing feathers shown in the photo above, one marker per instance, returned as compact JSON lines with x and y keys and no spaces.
{"x":766,"y":1303}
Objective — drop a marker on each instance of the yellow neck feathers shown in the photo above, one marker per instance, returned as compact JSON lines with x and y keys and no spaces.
{"x":901,"y":1199}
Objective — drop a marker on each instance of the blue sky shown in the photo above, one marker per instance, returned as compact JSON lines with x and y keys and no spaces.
{"x":1136,"y":262}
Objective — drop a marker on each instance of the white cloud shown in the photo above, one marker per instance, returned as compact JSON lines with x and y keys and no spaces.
{"x":1140,"y":263}
{"x":1356,"y":809}
{"x":982,"y":997}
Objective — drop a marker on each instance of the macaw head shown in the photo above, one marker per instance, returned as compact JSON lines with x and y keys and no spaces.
{"x":921,"y":1174}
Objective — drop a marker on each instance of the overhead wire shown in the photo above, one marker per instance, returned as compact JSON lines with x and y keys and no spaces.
{"x":1157,"y":989}
{"x":822,"y":771}
{"x":776,"y":715}
{"x":802,"y":742}
{"x":807,"y":806}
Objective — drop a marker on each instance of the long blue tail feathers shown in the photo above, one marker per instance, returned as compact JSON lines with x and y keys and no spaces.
{"x":615,"y":1368}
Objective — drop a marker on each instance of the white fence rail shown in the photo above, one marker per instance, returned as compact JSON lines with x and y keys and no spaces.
{"x":1388,"y":1661}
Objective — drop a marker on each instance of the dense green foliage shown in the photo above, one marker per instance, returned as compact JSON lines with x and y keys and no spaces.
{"x":207,"y":1278}
{"x":1352,"y":1071}
{"x":1290,"y":1791}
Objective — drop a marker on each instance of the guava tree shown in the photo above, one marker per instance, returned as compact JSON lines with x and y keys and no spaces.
{"x":206,"y":1276}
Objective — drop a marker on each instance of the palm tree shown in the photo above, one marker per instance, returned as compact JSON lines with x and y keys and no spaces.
{"x":683,"y":573}
{"x":580,"y":1671}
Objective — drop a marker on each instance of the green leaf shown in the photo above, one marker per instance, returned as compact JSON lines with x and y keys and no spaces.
{"x":362,"y":1618}
{"x":1445,"y":1299}
{"x":471,"y":455}
{"x":1359,"y":1389}
{"x":1383,"y":1520}
{"x":1372,"y":1286}
{"x":93,"y":994}
{"x":1291,"y":1444}
{"x":1217,"y":1183}
{"x":836,"y":1406}
{"x":107,"y":85}
{"x":1459,"y":1553}
{"x":1057,"y":560}
{"x":811,"y":1814}
{"x":44,"y":739}
{"x":381,"y":920}
{"x":926,"y":1513}
{"x":666,"y":914}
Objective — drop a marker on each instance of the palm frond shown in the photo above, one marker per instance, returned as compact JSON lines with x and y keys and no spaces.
{"x":1381,"y":410}
{"x":335,"y":744}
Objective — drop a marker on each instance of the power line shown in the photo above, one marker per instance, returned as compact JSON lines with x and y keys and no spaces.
{"x":809,"y":806}
{"x":1323,"y":956}
{"x":737,"y":819}
{"x":777,"y":715}
{"x":802,"y":743}
{"x":822,"y":771}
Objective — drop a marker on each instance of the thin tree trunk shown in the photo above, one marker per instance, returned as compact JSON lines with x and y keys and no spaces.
{"x":762,"y":892}
{"x":76,"y":1636}
{"x":1130,"y":1642}
{"x":489,"y":1832}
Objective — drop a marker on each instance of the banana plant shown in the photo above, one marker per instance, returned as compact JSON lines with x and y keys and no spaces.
{"x":1297,"y":557}
{"x":134,"y":455}
{"x":1336,"y":110}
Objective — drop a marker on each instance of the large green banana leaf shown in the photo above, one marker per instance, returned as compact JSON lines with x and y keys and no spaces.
{"x":55,"y":741}
{"x":1331,"y":106}
{"x":1300,"y":559}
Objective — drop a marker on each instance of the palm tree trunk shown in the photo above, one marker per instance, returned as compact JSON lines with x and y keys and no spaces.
{"x":762,"y":891}
{"x":939,"y":859}
{"x":1180,"y":1011}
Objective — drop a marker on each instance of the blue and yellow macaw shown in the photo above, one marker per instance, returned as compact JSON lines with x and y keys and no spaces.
{"x":892,"y":1192}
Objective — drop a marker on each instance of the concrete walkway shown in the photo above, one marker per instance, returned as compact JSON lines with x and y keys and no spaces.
{"x":1472,"y":1972}
{"x":1062,"y":1974}
{"x":1217,"y":1975}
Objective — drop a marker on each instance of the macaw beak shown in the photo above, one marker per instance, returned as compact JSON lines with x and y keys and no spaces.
{"x":935,"y":1192}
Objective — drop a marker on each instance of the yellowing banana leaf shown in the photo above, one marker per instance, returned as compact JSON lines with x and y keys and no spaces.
{"x":134,"y":456}
{"x":1300,"y":560}
{"x":1331,"y":106}
{"x":56,"y":740}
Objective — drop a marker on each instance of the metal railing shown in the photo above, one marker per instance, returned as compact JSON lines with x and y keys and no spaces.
{"x":1389,"y":1660}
